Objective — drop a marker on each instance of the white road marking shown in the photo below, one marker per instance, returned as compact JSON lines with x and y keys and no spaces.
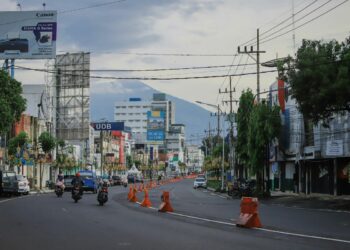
{"x":6,"y":200}
{"x":260,"y":229}
{"x":303,"y":235}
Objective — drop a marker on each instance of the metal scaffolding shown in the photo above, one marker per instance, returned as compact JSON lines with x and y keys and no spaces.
{"x":72,"y":96}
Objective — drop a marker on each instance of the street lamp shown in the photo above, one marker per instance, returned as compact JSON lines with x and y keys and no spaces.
{"x":223,"y":139}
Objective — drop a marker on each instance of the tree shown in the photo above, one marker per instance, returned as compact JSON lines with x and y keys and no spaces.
{"x":264,"y":125}
{"x":12,"y":104}
{"x":47,"y":143}
{"x":320,"y":79}
{"x":246,"y":102}
{"x":17,"y":148}
{"x":129,"y":161}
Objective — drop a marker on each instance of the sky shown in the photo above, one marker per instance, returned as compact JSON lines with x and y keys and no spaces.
{"x":116,"y":33}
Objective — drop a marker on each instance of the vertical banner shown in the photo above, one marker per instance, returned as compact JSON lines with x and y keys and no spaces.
{"x":155,"y":126}
{"x":281,"y":98}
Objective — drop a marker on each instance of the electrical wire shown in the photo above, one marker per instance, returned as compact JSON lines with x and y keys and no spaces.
{"x":282,"y":22}
{"x":262,"y":38}
{"x":303,"y":24}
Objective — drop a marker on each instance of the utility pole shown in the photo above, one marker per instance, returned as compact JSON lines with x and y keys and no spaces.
{"x":231,"y":101}
{"x":257,"y":60}
{"x":223,"y":145}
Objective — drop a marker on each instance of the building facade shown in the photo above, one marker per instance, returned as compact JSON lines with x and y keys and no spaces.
{"x":309,"y":158}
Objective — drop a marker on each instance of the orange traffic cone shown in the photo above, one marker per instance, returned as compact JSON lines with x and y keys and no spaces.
{"x":165,"y":206}
{"x":249,"y":216}
{"x":146,"y":201}
{"x":140,"y":187}
{"x":133,"y":197}
{"x":130,"y":193}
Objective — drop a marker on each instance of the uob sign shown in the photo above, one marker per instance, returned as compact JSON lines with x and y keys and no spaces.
{"x":108,"y":126}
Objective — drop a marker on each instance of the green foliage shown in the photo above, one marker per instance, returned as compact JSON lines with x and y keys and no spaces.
{"x":61,"y":143}
{"x":47,"y":142}
{"x":243,"y":115}
{"x":12,"y":104}
{"x":320,"y":80}
{"x":264,"y":126}
{"x":137,"y":163}
{"x":129,"y":161}
{"x":19,"y":141}
{"x":215,"y":184}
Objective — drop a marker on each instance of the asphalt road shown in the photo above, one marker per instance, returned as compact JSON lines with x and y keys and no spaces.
{"x":47,"y":222}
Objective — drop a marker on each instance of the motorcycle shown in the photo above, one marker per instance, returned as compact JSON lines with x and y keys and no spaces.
{"x":59,"y":191}
{"x":76,"y":194}
{"x":102,"y":196}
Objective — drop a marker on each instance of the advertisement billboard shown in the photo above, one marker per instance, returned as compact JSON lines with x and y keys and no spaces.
{"x":28,"y":34}
{"x":155,"y":126}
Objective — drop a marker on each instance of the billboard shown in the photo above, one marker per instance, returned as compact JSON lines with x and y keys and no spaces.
{"x":155,"y":126}
{"x":28,"y":34}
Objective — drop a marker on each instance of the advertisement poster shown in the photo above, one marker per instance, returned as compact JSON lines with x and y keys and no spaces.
{"x":28,"y":34}
{"x":155,"y":126}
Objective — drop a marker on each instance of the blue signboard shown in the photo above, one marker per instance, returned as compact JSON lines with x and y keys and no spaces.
{"x":155,"y":126}
{"x":108,"y":126}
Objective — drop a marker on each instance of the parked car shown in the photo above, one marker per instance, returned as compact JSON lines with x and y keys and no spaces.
{"x":117,"y":180}
{"x":200,"y":182}
{"x":90,"y":180}
{"x":14,"y":184}
{"x":68,"y":182}
{"x":23,"y":184}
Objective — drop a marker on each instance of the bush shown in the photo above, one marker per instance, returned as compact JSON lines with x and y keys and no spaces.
{"x":215,"y":184}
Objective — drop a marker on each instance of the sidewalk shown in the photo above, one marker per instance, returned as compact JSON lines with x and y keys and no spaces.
{"x":314,"y":201}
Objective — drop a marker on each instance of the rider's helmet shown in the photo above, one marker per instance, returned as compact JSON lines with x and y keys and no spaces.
{"x":77,"y":174}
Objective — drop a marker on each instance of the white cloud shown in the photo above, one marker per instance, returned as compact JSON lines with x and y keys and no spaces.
{"x":194,"y":26}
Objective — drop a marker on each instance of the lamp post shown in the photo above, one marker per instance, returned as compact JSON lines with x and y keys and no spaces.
{"x":223,"y":139}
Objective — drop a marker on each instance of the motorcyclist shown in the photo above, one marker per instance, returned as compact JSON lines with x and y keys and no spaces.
{"x":60,"y":180}
{"x":77,"y":180}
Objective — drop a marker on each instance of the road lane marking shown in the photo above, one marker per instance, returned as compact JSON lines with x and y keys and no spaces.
{"x":7,"y":200}
{"x":203,"y":219}
{"x":303,"y":235}
{"x":260,"y":229}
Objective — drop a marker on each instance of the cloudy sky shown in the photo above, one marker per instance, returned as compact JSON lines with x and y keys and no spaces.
{"x":117,"y":33}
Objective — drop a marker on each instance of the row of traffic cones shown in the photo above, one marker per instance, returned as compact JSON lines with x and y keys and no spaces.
{"x":146,"y":202}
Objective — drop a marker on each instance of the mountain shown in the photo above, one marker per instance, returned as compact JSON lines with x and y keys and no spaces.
{"x":104,"y":95}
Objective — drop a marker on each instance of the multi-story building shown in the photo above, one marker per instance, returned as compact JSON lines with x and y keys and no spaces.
{"x":194,"y":158}
{"x":310,"y":158}
{"x":160,"y":103}
{"x":175,"y":146}
{"x":134,"y":115}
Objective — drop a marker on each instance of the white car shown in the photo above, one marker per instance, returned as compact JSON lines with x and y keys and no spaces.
{"x":23,"y":184}
{"x":200,"y":182}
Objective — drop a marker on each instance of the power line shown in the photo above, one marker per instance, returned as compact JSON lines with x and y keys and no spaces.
{"x":228,"y":72}
{"x":286,"y":26}
{"x":282,"y":22}
{"x":168,"y":54}
{"x":144,"y":78}
{"x":303,"y":24}
{"x":91,"y":6}
{"x":68,"y":11}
